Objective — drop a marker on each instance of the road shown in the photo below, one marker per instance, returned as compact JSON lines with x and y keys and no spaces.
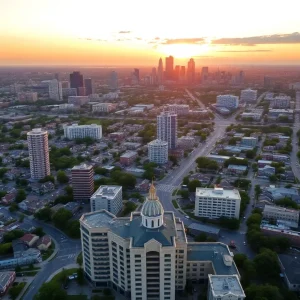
{"x":68,"y":250}
{"x":202,"y":106}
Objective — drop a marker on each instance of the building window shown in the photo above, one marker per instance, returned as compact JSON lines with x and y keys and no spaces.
{"x":152,"y":223}
{"x":146,"y":222}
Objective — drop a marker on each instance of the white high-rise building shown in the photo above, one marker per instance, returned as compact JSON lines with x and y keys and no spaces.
{"x":55,"y":90}
{"x":146,"y":256}
{"x":108,"y":197}
{"x":228,"y":101}
{"x":167,"y":128}
{"x":38,"y":153}
{"x":248,"y":96}
{"x":217,"y":202}
{"x":76,"y":131}
{"x":158,"y":151}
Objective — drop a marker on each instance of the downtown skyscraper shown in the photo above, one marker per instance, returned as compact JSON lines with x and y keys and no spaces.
{"x":167,"y":128}
{"x":160,"y":71}
{"x":170,"y":68}
{"x":191,"y":75}
{"x":76,"y":80}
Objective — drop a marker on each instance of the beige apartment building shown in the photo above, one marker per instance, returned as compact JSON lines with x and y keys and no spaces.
{"x":147,"y":255}
{"x":281,"y":213}
{"x":38,"y":153}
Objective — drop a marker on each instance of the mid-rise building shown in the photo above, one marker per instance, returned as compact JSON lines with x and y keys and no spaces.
{"x":228,"y":101}
{"x":78,"y":100}
{"x":108,"y":197}
{"x":55,"y":90}
{"x":248,"y":96}
{"x":179,"y":109}
{"x":27,"y":96}
{"x":88,"y":84}
{"x":281,"y":102}
{"x":76,"y":131}
{"x":158,"y":151}
{"x":249,"y":141}
{"x":160,"y":72}
{"x":81,"y":91}
{"x":104,"y":107}
{"x":223,"y":287}
{"x":281,"y":213}
{"x":169,"y":67}
{"x":217,"y":202}
{"x":167,"y":128}
{"x":82,"y":179}
{"x":38,"y":153}
{"x":146,"y":256}
{"x":190,"y":73}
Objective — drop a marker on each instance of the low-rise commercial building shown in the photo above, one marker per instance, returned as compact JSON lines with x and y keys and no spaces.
{"x":128,"y":158}
{"x":281,"y":213}
{"x":104,"y":107}
{"x":217,"y":202}
{"x":78,"y":100}
{"x":236,"y":169}
{"x":228,"y":101}
{"x":248,"y":96}
{"x":6,"y":280}
{"x":249,"y":141}
{"x":108,"y":197}
{"x":223,"y":287}
{"x":290,"y":268}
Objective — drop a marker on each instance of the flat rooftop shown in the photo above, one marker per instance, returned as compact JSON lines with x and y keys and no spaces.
{"x":213,"y":252}
{"x":107,"y":191}
{"x":82,"y":167}
{"x":219,"y":193}
{"x":225,"y":285}
{"x":291,"y":267}
{"x":274,"y":208}
{"x":204,"y":228}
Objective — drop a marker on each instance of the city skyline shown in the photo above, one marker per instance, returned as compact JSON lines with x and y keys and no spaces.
{"x":213,"y":33}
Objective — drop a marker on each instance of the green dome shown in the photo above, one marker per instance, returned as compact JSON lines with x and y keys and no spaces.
{"x":152,"y":208}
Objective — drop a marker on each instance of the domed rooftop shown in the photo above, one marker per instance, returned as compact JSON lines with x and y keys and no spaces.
{"x":152,"y":206}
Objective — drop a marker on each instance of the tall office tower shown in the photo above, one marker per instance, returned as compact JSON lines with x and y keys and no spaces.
{"x":76,"y":80}
{"x":160,"y":72}
{"x":169,"y":67}
{"x":81,"y":91}
{"x":136,"y":76}
{"x":167,"y":128}
{"x":204,"y":74}
{"x":113,"y":80}
{"x":154,"y":76}
{"x":191,"y":71}
{"x":108,"y":197}
{"x":182,"y":73}
{"x":88,"y":84}
{"x":241,"y":77}
{"x":268,"y":82}
{"x":55,"y":90}
{"x":82,"y":179}
{"x":38,"y":153}
{"x":177,"y":73}
{"x":147,"y":256}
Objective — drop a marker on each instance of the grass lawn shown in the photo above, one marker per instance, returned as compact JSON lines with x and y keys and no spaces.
{"x":46,"y":254}
{"x":16,"y":289}
{"x":60,"y":276}
{"x":77,"y":297}
{"x":175,"y":204}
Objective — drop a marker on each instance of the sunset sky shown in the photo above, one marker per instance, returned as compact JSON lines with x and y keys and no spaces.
{"x":137,"y":32}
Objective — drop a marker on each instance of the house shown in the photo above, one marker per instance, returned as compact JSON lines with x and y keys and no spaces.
{"x":266,"y":171}
{"x":236,"y":169}
{"x":13,"y":174}
{"x":6,"y":280}
{"x":44,"y":243}
{"x":32,"y":204}
{"x":290,"y":268}
{"x":143,"y":186}
{"x":42,"y":188}
{"x":9,"y":198}
{"x":29,"y":239}
{"x":128,"y":158}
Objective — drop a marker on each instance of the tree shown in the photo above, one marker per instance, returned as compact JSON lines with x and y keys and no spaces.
{"x":206,"y":163}
{"x":61,"y":218}
{"x":21,"y":195}
{"x":239,"y":259}
{"x":14,"y":291}
{"x":287,"y":202}
{"x":186,"y":180}
{"x":80,"y":276}
{"x":13,"y":207}
{"x":79,"y":259}
{"x":202,"y":237}
{"x":6,"y":248}
{"x":250,"y":154}
{"x":62,"y":177}
{"x":47,"y":178}
{"x":192,"y":185}
{"x":263,"y":292}
{"x":254,"y":219}
{"x":185,"y":194}
{"x":51,"y":291}
{"x":44,"y":214}
{"x":12,"y":235}
{"x":73,"y":229}
{"x":39,"y":231}
{"x":273,"y":178}
{"x":174,"y":160}
{"x":69,"y":190}
{"x":266,"y":264}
